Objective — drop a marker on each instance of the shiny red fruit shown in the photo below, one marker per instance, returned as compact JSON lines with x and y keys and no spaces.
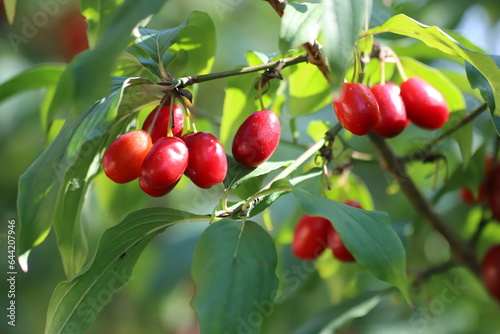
{"x":257,"y":138}
{"x":207,"y":163}
{"x":155,"y":192}
{"x":425,"y":105}
{"x":165,"y":163}
{"x":392,"y":110}
{"x":493,"y":191}
{"x":160,"y":128}
{"x":357,"y":109}
{"x":123,"y":159}
{"x":490,"y":270}
{"x":310,"y":237}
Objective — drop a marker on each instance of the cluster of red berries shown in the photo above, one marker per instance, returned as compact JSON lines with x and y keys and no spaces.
{"x":159,"y":160}
{"x":312,"y":235}
{"x":388,"y":109}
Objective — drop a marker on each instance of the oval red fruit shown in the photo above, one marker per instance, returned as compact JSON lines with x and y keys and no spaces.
{"x":310,"y":237}
{"x":393,"y":118}
{"x":155,"y":192}
{"x":207,"y":164}
{"x":425,"y":106}
{"x":357,"y":109}
{"x":165,"y":163}
{"x":490,"y":270}
{"x":257,"y":138}
{"x":123,"y":159}
{"x":160,"y":128}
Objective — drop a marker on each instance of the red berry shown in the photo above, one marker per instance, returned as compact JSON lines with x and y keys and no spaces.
{"x":155,"y":192}
{"x":425,"y":105}
{"x":73,"y":34}
{"x":310,"y":237}
{"x":207,"y":163}
{"x":490,"y":270}
{"x":357,"y":109}
{"x":160,"y":128}
{"x":493,"y":191}
{"x":392,"y":110}
{"x":123,"y":159}
{"x":165,"y":163}
{"x":257,"y":138}
{"x":337,"y":246}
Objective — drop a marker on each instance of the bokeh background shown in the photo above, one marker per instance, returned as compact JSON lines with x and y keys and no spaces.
{"x":156,"y":300}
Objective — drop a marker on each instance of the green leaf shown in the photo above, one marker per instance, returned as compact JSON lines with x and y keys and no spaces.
{"x":38,"y":76}
{"x":434,"y":77}
{"x":300,"y":24}
{"x":97,"y":14}
{"x":333,"y":318}
{"x":342,"y":22}
{"x":51,"y":191}
{"x":75,"y":303}
{"x":368,"y":235}
{"x":10,"y":10}
{"x":233,"y":270}
{"x":239,"y":174}
{"x":309,"y":91}
{"x":438,"y":39}
{"x":79,"y":87}
{"x":187,"y":49}
{"x":479,"y":81}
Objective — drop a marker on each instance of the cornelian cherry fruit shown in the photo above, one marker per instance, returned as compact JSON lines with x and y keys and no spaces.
{"x":393,"y":118}
{"x":310,"y":237}
{"x":155,"y":192}
{"x":257,"y":138}
{"x":123,"y":159}
{"x":165,"y":163}
{"x":490,"y":270}
{"x":160,"y":128}
{"x":207,"y":164}
{"x":425,"y":106}
{"x":357,"y":109}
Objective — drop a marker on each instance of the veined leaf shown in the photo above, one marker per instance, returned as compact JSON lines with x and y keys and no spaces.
{"x":233,"y":269}
{"x":75,"y":303}
{"x":368,"y":235}
{"x":300,"y":23}
{"x":341,"y":25}
{"x":239,"y":174}
{"x":38,"y":76}
{"x":53,"y":187}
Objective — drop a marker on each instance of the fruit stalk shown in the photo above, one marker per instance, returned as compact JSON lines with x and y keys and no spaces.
{"x":395,"y":165}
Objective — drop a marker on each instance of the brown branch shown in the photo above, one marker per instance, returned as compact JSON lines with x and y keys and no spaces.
{"x":395,"y":165}
{"x":313,"y":48}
